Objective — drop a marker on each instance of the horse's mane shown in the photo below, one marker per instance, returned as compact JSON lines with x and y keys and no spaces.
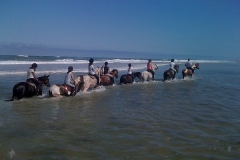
{"x":43,"y":78}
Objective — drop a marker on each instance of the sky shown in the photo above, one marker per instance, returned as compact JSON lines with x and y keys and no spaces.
{"x":190,"y":27}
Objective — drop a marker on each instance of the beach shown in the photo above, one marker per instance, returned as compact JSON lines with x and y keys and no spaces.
{"x":194,"y":118}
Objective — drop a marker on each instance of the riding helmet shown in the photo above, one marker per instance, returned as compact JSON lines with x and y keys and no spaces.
{"x":149,"y":60}
{"x":129,"y":65}
{"x":70,"y":68}
{"x":91,"y":60}
{"x":106,"y":63}
{"x":34,"y":65}
{"x":172,"y":60}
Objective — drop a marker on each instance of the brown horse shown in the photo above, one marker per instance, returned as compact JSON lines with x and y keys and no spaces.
{"x":170,"y":74}
{"x":28,"y":89}
{"x":105,"y":80}
{"x":127,"y":78}
{"x":188,"y":72}
{"x":59,"y":90}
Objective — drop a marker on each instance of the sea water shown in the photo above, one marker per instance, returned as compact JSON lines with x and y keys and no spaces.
{"x":194,"y":118}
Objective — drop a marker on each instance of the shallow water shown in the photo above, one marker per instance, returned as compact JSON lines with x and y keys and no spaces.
{"x":183,"y":119}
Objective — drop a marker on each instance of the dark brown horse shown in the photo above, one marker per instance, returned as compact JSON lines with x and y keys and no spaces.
{"x":127,"y":78}
{"x":28,"y":89}
{"x":170,"y":74}
{"x":105,"y":80}
{"x":188,"y":72}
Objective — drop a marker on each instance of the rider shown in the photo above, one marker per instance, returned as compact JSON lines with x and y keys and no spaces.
{"x":150,"y":69}
{"x":130,"y":70}
{"x":188,"y":65}
{"x":172,"y":64}
{"x":107,"y":71}
{"x":69,"y":79}
{"x":91,"y":70}
{"x":31,"y":77}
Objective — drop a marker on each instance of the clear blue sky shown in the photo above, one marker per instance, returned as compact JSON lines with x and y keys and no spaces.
{"x":208,"y":27}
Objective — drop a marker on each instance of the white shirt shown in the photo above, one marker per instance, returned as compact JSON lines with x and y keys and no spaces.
{"x":29,"y":73}
{"x":130,"y":70}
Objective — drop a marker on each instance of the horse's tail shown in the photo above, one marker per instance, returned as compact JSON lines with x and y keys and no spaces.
{"x":183,"y":73}
{"x":50,"y":93}
{"x":124,"y":79}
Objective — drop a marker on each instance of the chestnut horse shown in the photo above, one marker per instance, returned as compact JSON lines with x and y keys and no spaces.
{"x":105,"y":80}
{"x":148,"y":75}
{"x":59,"y":90}
{"x":188,"y":72}
{"x":127,"y":78}
{"x":28,"y":89}
{"x":170,"y":74}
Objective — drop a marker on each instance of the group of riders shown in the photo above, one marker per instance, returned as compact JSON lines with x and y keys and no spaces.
{"x":69,"y":77}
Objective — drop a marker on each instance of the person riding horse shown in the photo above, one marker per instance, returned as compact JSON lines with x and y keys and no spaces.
{"x":91,"y":70}
{"x":188,"y":65}
{"x":69,"y":80}
{"x":172,"y":64}
{"x":130,"y":70}
{"x":107,"y":71}
{"x":31,"y":77}
{"x":150,"y":69}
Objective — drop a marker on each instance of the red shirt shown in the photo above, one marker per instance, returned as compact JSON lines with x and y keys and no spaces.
{"x":149,"y":65}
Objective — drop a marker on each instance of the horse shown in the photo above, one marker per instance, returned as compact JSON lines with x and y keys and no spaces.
{"x":105,"y":80}
{"x":188,"y":72}
{"x":28,"y":89}
{"x":89,"y":81}
{"x":148,"y":75}
{"x":59,"y":90}
{"x":170,"y":74}
{"x":127,"y":78}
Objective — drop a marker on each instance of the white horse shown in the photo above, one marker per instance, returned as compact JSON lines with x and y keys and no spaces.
{"x":148,"y":75}
{"x":59,"y":90}
{"x":88,"y":81}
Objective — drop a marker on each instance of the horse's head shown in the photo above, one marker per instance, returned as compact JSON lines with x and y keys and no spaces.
{"x":154,"y":66}
{"x":138,"y":75}
{"x":99,"y":71}
{"x":45,"y":80}
{"x":197,"y":66}
{"x":176,"y":67}
{"x":114,"y":73}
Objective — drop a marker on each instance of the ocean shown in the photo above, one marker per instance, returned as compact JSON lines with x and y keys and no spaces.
{"x":194,"y":118}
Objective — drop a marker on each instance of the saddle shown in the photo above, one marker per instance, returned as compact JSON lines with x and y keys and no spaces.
{"x":91,"y":76}
{"x":32,"y":84}
{"x":65,"y":86}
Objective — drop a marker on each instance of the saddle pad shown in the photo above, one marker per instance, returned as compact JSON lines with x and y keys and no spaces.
{"x":32,"y":84}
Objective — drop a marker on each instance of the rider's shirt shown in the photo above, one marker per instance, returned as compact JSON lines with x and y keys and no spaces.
{"x":188,"y":64}
{"x":172,"y":64}
{"x":29,"y":73}
{"x":68,"y":79}
{"x":130,"y":70}
{"x":91,"y":70}
{"x":149,"y":66}
{"x":106,"y":69}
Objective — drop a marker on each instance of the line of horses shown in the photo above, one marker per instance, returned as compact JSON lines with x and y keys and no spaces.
{"x":84,"y":82}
